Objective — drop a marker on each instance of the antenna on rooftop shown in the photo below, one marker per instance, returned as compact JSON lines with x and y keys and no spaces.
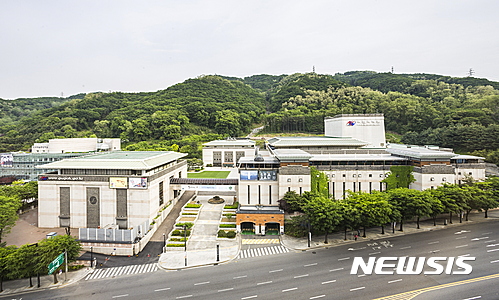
{"x":313,"y":69}
{"x":392,"y":69}
{"x":471,"y":72}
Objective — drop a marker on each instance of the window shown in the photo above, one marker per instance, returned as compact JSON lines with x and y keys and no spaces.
{"x":432,"y":178}
{"x":344,"y":175}
{"x":289,"y":179}
{"x":354,"y":175}
{"x":370,"y":175}
{"x":444,"y":179}
{"x":360,"y":175}
{"x":300,"y":179}
{"x":380,"y":175}
{"x":332,"y":175}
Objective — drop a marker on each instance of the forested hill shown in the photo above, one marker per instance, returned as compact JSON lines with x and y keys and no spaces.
{"x":13,"y":110}
{"x":389,"y":82}
{"x":204,"y":105}
{"x":461,"y":113}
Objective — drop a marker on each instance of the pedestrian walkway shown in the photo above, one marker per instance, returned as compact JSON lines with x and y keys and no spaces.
{"x":262,"y":251}
{"x":259,"y":241}
{"x":121,"y":271}
{"x":203,"y":247}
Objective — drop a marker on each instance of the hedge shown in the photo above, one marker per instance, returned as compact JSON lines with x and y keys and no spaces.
{"x":234,"y":206}
{"x":227,"y":225}
{"x":177,"y":232}
{"x":187,"y":224}
{"x":175,"y":245}
{"x":192,"y":205}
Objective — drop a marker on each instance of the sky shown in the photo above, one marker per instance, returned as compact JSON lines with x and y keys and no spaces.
{"x":65,"y":47}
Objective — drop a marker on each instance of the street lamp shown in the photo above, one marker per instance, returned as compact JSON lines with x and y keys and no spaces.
{"x":91,"y":257}
{"x":218,"y":252}
{"x":164,"y":242}
{"x":185,"y":244}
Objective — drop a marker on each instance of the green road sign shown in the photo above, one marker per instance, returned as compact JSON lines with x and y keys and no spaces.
{"x":56,"y":263}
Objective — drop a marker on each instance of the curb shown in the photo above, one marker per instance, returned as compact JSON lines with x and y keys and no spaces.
{"x":438,"y":227}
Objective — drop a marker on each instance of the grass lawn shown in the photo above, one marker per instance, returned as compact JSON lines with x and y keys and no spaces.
{"x":209,"y":174}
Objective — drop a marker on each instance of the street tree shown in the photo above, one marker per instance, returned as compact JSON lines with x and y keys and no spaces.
{"x":323,"y":213}
{"x":8,"y":214}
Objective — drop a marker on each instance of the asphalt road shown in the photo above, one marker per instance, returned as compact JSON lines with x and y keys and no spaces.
{"x":317,"y":274}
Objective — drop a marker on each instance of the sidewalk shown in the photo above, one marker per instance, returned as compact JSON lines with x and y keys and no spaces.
{"x":337,"y":238}
{"x":202,"y":245}
{"x":46,"y":282}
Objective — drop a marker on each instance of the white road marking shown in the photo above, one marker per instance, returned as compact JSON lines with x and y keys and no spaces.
{"x":461,"y":237}
{"x":331,"y":281}
{"x":492,"y":245}
{"x":336,"y":269}
{"x":461,"y":246}
{"x":374,"y":253}
{"x":482,"y":238}
{"x":395,"y":281}
{"x":486,"y":233}
{"x":224,"y":290}
{"x":431,"y":243}
{"x":314,"y":264}
{"x":291,"y":289}
{"x":186,"y":296}
{"x":164,"y":289}
{"x":200,"y":283}
{"x":489,"y":241}
{"x":275,"y":271}
{"x":356,"y":289}
{"x":344,"y":258}
{"x":317,"y":297}
{"x":463,"y":255}
{"x":266,"y":282}
{"x":492,"y":250}
{"x":249,"y":297}
{"x":494,"y":261}
{"x":119,"y":296}
{"x":408,"y":247}
{"x":362,"y":275}
{"x":243,"y":276}
{"x":300,"y":276}
{"x":434,"y":251}
{"x":473,"y":298}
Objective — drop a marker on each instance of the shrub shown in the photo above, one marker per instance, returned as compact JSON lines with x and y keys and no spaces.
{"x":177,"y":232}
{"x":177,"y":240}
{"x":187,"y":224}
{"x":189,"y":214}
{"x":227,"y":225}
{"x":221,"y":233}
{"x":175,"y":245}
{"x":234,"y":206}
{"x":231,"y":234}
{"x":192,"y":205}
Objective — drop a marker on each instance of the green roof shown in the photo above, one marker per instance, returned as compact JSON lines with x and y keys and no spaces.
{"x":129,"y":160}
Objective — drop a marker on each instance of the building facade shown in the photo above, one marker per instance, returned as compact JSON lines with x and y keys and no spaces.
{"x":226,"y":153}
{"x":115,"y":190}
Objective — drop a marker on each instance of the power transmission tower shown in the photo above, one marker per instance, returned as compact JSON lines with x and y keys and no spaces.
{"x":392,"y":69}
{"x":471,"y":72}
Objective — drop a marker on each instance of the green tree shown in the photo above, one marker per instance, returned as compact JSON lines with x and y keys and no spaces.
{"x":8,"y":214}
{"x":373,"y":208}
{"x":291,"y":202}
{"x":323,"y":213}
{"x":49,"y":249}
{"x":399,"y":177}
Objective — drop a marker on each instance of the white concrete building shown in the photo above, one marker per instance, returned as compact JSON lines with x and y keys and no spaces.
{"x":369,"y":128}
{"x":115,"y":189}
{"x":77,"y":145}
{"x":226,"y":153}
